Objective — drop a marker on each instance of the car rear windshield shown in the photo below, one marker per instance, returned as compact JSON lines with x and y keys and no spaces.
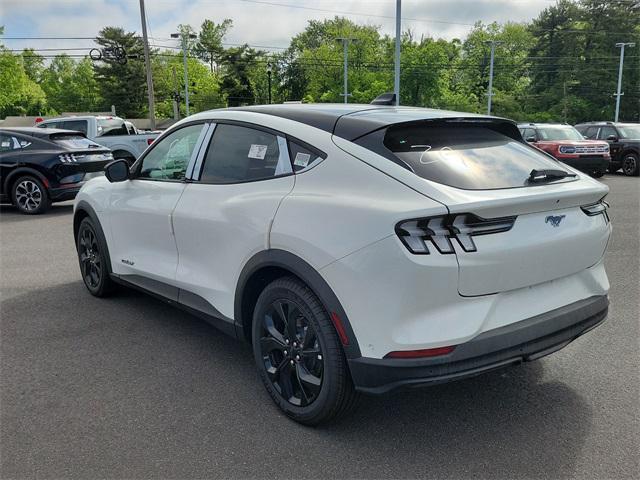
{"x":111,"y":126}
{"x":74,"y":141}
{"x":471,"y":157}
{"x":559,"y":133}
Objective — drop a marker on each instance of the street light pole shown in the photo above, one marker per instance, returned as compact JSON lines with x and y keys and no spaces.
{"x":345,"y":43}
{"x":185,"y":38}
{"x":147,"y":64}
{"x":490,"y":93}
{"x":619,"y":94}
{"x":396,"y":73}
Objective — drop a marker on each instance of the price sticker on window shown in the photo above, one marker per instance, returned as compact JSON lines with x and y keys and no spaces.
{"x":302,"y":159}
{"x":257,"y":151}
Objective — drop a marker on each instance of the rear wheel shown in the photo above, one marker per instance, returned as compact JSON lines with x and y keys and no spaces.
{"x":93,"y":260}
{"x":30,"y":196}
{"x":298,"y":354}
{"x":597,"y":173}
{"x":630,"y":165}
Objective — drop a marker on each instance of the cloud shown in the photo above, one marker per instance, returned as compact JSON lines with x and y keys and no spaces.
{"x":255,"y":23}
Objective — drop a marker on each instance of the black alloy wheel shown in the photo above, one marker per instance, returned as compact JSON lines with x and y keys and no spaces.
{"x":92,"y":259}
{"x":30,"y":196}
{"x":630,"y":165}
{"x":291,"y":352}
{"x":299,"y":357}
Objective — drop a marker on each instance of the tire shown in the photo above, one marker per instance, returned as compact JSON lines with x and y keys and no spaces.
{"x":124,"y":156}
{"x":93,"y":260}
{"x":301,"y":362}
{"x":597,"y":173}
{"x":30,"y":196}
{"x":630,"y":165}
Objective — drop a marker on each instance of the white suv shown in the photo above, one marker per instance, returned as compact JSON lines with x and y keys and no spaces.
{"x":359,"y":248}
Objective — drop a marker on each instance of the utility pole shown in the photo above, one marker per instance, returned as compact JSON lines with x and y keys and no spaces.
{"x":269,"y":79}
{"x":619,"y":94}
{"x":345,"y":44}
{"x":185,"y":36}
{"x":147,"y":64}
{"x":176,"y":95}
{"x":396,"y":73}
{"x":490,"y":93}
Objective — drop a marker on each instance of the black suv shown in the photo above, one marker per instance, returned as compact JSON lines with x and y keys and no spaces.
{"x":38,"y":167}
{"x":624,"y":143}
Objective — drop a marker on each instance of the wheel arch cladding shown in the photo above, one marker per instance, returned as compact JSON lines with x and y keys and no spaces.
{"x":84,"y":210}
{"x":268,"y":265}
{"x":23,"y":172}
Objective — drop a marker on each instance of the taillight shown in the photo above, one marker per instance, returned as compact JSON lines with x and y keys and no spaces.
{"x":416,"y":234}
{"x":599,"y":208}
{"x":426,"y":353}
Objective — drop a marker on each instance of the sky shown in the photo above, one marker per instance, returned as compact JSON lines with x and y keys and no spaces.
{"x":264,"y":23}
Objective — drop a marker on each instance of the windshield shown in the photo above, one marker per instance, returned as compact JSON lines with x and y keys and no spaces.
{"x":74,"y":141}
{"x":630,"y":131}
{"x":467,"y":157}
{"x":559,"y":133}
{"x":111,"y":126}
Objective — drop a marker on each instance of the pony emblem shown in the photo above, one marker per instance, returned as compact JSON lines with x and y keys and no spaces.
{"x":554,"y":220}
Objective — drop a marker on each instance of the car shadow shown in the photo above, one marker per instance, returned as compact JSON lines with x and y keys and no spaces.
{"x":131,"y":360}
{"x":9,"y":213}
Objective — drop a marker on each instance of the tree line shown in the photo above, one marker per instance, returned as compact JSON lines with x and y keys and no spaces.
{"x":561,"y":66}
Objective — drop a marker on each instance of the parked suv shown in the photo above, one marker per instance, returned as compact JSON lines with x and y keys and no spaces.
{"x":358,"y":248}
{"x":38,"y":167}
{"x":624,"y":142}
{"x":569,"y":146}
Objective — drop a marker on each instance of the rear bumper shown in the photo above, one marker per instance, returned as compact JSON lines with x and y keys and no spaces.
{"x":522,"y":341}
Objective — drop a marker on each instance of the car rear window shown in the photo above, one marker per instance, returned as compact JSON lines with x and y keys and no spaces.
{"x":111,"y":126}
{"x":74,"y":141}
{"x":470,"y":157}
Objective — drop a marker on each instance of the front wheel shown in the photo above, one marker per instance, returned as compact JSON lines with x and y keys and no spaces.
{"x":93,"y":260}
{"x":630,"y":165}
{"x":298,"y":354}
{"x":597,"y":173}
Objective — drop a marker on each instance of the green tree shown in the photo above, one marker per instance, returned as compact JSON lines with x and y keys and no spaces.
{"x":122,"y":85}
{"x":209,"y":47}
{"x":33,"y":64}
{"x":237,"y":63}
{"x":19,"y":95}
{"x":71,"y":86}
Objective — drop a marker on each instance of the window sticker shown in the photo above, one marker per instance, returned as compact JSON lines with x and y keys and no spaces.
{"x":302,"y":159}
{"x":257,"y":151}
{"x":6,"y":144}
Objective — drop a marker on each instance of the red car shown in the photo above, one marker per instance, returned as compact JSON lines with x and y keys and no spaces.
{"x":568,"y":145}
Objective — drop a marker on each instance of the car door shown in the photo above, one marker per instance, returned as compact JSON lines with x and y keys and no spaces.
{"x":143,"y":247}
{"x":225,"y":213}
{"x":605,"y":134}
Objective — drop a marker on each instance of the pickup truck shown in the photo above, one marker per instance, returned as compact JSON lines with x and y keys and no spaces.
{"x":120,"y":136}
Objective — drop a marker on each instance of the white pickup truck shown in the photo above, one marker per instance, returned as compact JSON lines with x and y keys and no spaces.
{"x":120,"y":136}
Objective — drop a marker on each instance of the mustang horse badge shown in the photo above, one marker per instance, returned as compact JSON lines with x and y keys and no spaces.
{"x":554,"y":220}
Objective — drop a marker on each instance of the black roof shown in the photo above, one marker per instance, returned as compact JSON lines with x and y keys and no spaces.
{"x":39,"y":132}
{"x":351,"y":121}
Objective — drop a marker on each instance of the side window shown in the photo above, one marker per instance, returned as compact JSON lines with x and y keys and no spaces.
{"x":76,"y":125}
{"x":243,"y":154}
{"x":606,"y":132}
{"x":8,"y":143}
{"x":303,"y":157}
{"x":51,"y":125}
{"x":169,"y":157}
{"x":528,"y":132}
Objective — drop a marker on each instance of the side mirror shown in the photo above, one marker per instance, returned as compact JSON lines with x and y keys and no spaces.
{"x":531,"y":139}
{"x":612,"y":138}
{"x":117,"y":171}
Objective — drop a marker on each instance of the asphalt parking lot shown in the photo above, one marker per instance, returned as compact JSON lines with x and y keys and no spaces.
{"x":129,"y":387}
